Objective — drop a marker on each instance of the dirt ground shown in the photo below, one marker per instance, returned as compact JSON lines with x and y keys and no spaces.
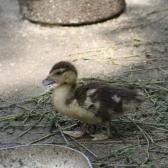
{"x":131,"y":50}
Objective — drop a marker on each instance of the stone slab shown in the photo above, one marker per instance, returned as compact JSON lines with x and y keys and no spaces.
{"x":71,"y":12}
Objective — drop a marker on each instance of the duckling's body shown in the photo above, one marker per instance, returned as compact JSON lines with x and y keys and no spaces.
{"x":90,"y":103}
{"x":65,"y":103}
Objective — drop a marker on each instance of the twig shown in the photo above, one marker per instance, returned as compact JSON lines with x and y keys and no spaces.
{"x":36,"y":123}
{"x":160,"y":152}
{"x":103,"y":142}
{"x":83,"y":146}
{"x":147,"y":149}
{"x":26,"y":100}
{"x":16,"y":103}
{"x":8,"y":117}
{"x":61,"y":132}
{"x":161,"y":139}
{"x":149,"y":137}
{"x":142,"y":123}
{"x":162,"y":146}
{"x":117,"y":152}
{"x":60,"y":129}
{"x":24,"y":108}
{"x":44,"y":137}
{"x":114,"y":165}
{"x":148,"y":69}
{"x":150,"y":97}
{"x":146,"y":137}
{"x":50,"y":135}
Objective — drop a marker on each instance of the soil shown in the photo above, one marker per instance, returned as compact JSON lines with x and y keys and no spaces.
{"x":130,"y":50}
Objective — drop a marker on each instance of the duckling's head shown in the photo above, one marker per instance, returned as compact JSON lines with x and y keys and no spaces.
{"x":61,"y":73}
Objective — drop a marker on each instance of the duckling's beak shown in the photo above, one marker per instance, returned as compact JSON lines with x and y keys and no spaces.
{"x":48,"y":81}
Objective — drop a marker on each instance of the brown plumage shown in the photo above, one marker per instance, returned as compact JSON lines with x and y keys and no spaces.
{"x":90,"y":103}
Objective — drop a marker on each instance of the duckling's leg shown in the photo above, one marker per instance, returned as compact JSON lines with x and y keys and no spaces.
{"x":103,"y":135}
{"x":77,"y":134}
{"x":109,"y":131}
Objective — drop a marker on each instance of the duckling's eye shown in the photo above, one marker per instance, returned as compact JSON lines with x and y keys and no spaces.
{"x":58,"y":73}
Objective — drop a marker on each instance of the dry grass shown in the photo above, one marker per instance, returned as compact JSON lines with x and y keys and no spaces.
{"x":142,"y":139}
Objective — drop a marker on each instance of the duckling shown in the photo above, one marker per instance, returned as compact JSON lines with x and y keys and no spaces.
{"x":91,"y":103}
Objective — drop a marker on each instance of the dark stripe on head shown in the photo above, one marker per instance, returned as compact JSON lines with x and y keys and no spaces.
{"x":67,"y":66}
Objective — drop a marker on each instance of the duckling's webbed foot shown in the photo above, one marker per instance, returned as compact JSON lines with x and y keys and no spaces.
{"x":77,"y":133}
{"x":99,"y":137}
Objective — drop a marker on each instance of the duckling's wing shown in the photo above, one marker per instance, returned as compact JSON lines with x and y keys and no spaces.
{"x":81,"y":91}
{"x":95,"y":96}
{"x":98,"y":99}
{"x":120,"y":100}
{"x":115,"y":93}
{"x":104,"y":97}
